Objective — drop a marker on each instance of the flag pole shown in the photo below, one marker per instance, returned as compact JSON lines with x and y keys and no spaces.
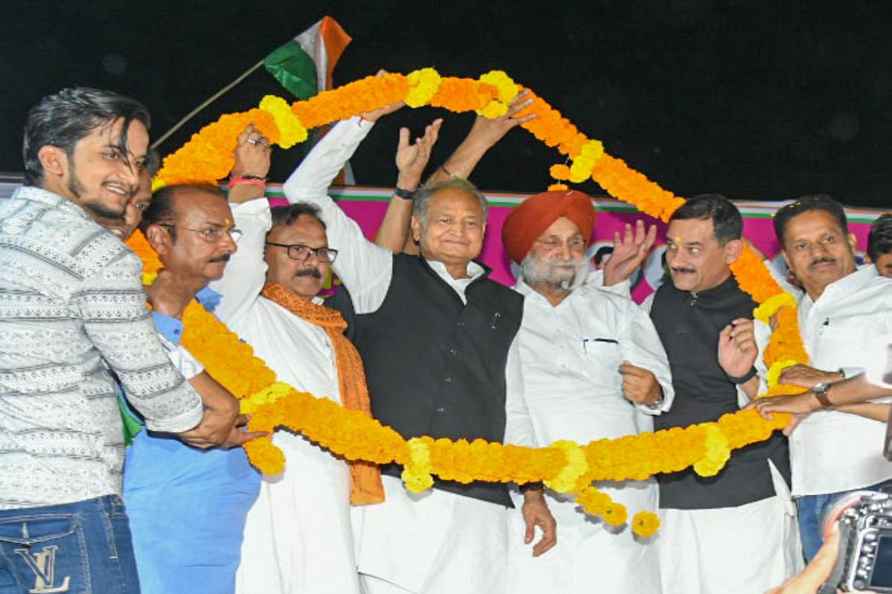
{"x":207,"y":102}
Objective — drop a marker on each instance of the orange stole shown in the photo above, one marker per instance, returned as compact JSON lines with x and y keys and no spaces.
{"x":366,"y":486}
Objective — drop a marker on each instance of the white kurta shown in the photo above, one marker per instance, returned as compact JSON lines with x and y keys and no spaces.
{"x":572,"y":389}
{"x":832,"y":451}
{"x":438,"y":542}
{"x":298,"y":536}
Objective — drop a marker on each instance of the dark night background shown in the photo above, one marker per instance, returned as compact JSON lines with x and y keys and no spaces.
{"x":756,"y":99}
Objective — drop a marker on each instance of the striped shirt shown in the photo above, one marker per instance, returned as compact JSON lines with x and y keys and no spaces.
{"x":72,"y":306}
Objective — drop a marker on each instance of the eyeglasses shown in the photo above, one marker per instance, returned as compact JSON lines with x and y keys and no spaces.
{"x":301,"y":252}
{"x":210,"y":234}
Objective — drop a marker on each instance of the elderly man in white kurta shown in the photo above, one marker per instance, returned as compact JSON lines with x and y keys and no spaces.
{"x":437,"y":339}
{"x":593,"y":367}
{"x":298,"y":535}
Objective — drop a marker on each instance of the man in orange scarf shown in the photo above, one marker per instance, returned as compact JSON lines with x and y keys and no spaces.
{"x":298,"y":536}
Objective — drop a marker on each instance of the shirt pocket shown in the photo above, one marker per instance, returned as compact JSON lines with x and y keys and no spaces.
{"x":604,"y":356}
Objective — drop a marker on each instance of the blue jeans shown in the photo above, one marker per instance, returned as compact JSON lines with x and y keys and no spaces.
{"x":811,"y":517}
{"x":79,"y":548}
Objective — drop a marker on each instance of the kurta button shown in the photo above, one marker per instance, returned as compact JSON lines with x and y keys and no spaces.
{"x":448,"y":379}
{"x":460,"y":323}
{"x":441,"y":410}
{"x":453,"y":351}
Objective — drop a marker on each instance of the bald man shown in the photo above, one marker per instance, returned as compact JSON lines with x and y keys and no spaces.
{"x":592,"y":367}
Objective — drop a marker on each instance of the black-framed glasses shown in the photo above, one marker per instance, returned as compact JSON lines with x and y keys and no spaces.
{"x":210,"y":234}
{"x":301,"y":252}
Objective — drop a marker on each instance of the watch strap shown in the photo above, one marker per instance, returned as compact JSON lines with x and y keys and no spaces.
{"x":743,"y":378}
{"x":820,"y":392}
{"x":404,"y":194}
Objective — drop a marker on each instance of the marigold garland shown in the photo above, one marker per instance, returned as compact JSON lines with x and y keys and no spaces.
{"x":564,"y":466}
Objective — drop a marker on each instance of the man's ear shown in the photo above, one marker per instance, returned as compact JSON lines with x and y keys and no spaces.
{"x":159,"y":238}
{"x":53,"y":159}
{"x":853,"y":242}
{"x":415,"y":225}
{"x":733,"y":249}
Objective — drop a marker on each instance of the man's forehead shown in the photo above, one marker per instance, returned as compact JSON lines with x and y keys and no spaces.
{"x":812,"y":221}
{"x":454,"y":200}
{"x":109,"y":134}
{"x":690,"y":231}
{"x":305,"y":230}
{"x":198,"y":204}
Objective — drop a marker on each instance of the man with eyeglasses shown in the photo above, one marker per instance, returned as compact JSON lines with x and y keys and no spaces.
{"x":298,"y":536}
{"x":187,"y":507}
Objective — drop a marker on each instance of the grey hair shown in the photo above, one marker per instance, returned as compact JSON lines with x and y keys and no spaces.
{"x":425,"y":193}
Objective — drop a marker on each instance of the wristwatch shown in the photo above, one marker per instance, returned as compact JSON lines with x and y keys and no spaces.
{"x":820,"y":392}
{"x":404,"y":194}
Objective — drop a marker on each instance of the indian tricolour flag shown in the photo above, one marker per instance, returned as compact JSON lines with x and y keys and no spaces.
{"x":304,"y":65}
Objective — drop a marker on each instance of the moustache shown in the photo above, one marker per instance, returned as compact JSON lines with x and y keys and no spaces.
{"x":311,"y":272}
{"x":824,"y":260}
{"x":223,"y":258}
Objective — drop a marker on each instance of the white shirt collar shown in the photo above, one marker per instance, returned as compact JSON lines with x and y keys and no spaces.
{"x":474,"y":270}
{"x":847,"y":285}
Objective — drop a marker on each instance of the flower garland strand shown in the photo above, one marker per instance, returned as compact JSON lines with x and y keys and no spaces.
{"x":563,"y":466}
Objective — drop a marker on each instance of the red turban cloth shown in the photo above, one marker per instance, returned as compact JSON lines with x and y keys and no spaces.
{"x":534,"y":215}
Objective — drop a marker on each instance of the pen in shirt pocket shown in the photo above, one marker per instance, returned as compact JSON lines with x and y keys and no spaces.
{"x":587,"y":341}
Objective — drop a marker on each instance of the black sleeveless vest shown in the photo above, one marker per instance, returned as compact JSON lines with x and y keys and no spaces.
{"x":689,"y":326}
{"x":436,"y":366}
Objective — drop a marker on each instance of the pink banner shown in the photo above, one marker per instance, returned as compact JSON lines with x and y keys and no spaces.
{"x":368,"y":205}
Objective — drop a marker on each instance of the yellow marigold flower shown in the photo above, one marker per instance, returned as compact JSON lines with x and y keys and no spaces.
{"x":423,"y":85}
{"x":771,"y":305}
{"x":593,"y":149}
{"x":593,"y":501}
{"x":615,"y":515}
{"x":267,"y":395}
{"x":772,"y":378}
{"x":291,"y":130}
{"x":580,"y":171}
{"x":645,"y":524}
{"x":508,"y":89}
{"x":417,"y":473}
{"x":717,"y":452}
{"x":558,"y":188}
{"x":559,"y":171}
{"x":575,"y":467}
{"x":493,"y":110}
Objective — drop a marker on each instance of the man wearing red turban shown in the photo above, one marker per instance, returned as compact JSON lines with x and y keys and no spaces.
{"x":592,"y":367}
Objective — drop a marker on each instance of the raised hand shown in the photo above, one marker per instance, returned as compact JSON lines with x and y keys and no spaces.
{"x":629,"y":251}
{"x":376,"y":114}
{"x":487,"y":132}
{"x":411,"y":159}
{"x":737,"y":347}
{"x":252,"y":154}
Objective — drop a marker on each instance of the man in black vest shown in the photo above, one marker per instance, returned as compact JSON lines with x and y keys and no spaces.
{"x":735,"y":532}
{"x":436,"y":336}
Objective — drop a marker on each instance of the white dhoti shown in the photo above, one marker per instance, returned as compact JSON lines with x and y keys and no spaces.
{"x":589,"y":556}
{"x":432,"y":543}
{"x":298,"y":536}
{"x":734,"y":550}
